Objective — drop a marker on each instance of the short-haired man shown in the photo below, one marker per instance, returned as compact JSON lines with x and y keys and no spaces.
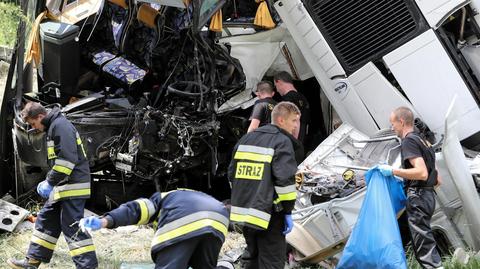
{"x":262,"y":110}
{"x":418,"y":169}
{"x":67,"y":186}
{"x":262,"y":174}
{"x":284,"y":84}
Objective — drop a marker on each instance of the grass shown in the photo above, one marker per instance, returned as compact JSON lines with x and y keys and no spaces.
{"x":10,"y":15}
{"x":132,"y":244}
{"x":448,"y":262}
{"x":129,"y":244}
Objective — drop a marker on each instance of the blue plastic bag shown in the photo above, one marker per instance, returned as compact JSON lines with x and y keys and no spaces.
{"x":375,"y":241}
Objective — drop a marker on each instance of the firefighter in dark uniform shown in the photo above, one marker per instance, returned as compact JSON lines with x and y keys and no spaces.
{"x":262,"y":110}
{"x":67,"y":186}
{"x":284,"y":84}
{"x":418,"y":169}
{"x":190,"y":227}
{"x":262,"y":174}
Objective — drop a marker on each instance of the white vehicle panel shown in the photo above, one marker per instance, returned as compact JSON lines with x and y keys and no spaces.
{"x":430,"y":80}
{"x":324,"y":65}
{"x":436,"y":11}
{"x":249,"y":53}
{"x":371,"y":86}
{"x":459,"y":171}
{"x":298,"y":16}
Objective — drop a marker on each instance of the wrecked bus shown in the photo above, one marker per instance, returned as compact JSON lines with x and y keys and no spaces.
{"x":159,"y":102}
{"x":141,"y":82}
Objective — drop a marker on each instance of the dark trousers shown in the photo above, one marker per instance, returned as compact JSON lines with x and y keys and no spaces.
{"x":199,"y":252}
{"x":266,"y":249}
{"x":58,"y":217}
{"x":420,"y":209}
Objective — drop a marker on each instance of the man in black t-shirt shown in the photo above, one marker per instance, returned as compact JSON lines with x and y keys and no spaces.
{"x":262,"y":110}
{"x":418,"y":169}
{"x":284,"y":84}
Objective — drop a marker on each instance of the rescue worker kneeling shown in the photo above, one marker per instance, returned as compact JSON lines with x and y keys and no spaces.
{"x":262,"y":173}
{"x":190,"y":227}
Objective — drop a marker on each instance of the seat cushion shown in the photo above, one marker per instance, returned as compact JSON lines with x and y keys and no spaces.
{"x":124,"y":71}
{"x":99,"y":58}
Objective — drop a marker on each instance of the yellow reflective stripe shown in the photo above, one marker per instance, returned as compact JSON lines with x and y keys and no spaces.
{"x":143,"y":212}
{"x":62,"y":169}
{"x":80,"y":251}
{"x":71,"y":193}
{"x":83,"y":150}
{"x":249,"y":219}
{"x":51,"y":153}
{"x":43,"y":243}
{"x":286,"y":197}
{"x":197,"y":225}
{"x":79,"y":142}
{"x":253,"y":157}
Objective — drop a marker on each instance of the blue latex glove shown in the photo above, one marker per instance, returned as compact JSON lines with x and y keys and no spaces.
{"x":288,"y":224}
{"x":386,"y":170}
{"x":91,"y":223}
{"x":44,"y":189}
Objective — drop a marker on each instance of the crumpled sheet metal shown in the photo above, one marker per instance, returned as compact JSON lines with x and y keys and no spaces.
{"x":11,"y":215}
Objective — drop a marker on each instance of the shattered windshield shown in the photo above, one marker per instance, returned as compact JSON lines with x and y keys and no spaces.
{"x":208,"y":7}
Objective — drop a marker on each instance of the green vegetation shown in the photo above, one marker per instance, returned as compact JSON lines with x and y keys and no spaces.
{"x":10,"y":15}
{"x":112,"y":246}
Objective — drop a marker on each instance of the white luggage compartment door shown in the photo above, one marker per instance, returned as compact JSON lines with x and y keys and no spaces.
{"x":436,"y":11}
{"x":430,"y":80}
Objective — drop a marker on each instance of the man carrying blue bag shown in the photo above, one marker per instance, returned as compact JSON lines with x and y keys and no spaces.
{"x":418,"y":169}
{"x":375,"y":241}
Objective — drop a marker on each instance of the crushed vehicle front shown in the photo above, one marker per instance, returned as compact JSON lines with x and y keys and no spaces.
{"x":140,"y":81}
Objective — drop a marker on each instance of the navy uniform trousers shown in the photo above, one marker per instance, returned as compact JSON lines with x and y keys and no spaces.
{"x":55,"y":218}
{"x":200,"y":252}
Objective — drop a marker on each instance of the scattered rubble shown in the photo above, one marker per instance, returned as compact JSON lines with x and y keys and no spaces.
{"x":11,"y":215}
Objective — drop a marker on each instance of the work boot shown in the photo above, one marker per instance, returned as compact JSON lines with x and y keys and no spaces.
{"x":23,"y":264}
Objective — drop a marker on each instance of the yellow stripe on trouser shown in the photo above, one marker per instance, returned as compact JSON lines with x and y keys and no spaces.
{"x":71,"y":193}
{"x":197,"y":225}
{"x":43,"y":243}
{"x":80,"y":251}
{"x":143,"y":212}
{"x":249,"y":219}
{"x":62,"y":169}
{"x":253,"y":157}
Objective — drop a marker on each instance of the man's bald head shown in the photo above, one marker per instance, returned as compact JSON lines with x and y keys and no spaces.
{"x":404,"y":114}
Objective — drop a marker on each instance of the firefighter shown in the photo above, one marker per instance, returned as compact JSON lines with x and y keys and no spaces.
{"x":190,"y":227}
{"x":262,"y":174}
{"x":284,"y":84}
{"x":262,"y":110}
{"x":418,"y":169}
{"x":67,"y":186}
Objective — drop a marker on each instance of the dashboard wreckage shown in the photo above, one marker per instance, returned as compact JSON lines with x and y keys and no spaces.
{"x":160,"y":101}
{"x":142,"y":85}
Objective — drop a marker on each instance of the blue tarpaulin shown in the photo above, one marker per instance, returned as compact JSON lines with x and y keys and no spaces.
{"x":375,"y":240}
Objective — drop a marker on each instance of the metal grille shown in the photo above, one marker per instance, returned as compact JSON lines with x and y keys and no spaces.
{"x":361,"y":30}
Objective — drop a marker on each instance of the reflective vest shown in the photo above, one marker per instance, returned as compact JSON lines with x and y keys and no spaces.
{"x":262,"y":174}
{"x":70,"y":173}
{"x":177,"y":215}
